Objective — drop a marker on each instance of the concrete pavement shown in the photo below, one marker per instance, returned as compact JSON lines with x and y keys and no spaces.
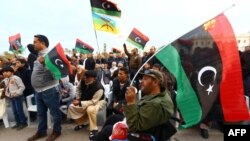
{"x":68,"y":134}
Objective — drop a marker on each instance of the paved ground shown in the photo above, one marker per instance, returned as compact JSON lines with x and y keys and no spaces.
{"x":68,"y":134}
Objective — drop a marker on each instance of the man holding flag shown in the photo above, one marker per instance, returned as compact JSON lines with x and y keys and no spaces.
{"x":207,"y":73}
{"x":134,"y":63}
{"x":47,"y":96}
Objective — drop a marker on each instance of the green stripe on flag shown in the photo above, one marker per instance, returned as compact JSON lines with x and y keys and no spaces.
{"x":82,"y":50}
{"x":21,"y":49}
{"x":52,"y":68}
{"x":135,"y":43}
{"x":103,"y":23}
{"x":187,"y":100}
{"x":107,"y":12}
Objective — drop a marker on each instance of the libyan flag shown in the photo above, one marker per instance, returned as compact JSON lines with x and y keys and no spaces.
{"x":137,"y":38}
{"x":206,"y":64}
{"x":115,"y":50}
{"x":105,"y":7}
{"x":15,"y":43}
{"x":83,"y":47}
{"x":57,"y":62}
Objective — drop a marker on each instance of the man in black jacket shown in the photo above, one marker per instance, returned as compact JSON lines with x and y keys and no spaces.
{"x":120,"y":85}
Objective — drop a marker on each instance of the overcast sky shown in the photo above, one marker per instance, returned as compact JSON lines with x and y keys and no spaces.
{"x":161,"y":20}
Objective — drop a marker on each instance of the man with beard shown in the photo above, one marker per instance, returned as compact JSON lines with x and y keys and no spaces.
{"x":155,"y":102}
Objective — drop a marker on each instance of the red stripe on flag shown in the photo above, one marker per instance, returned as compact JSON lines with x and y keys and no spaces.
{"x":84,"y":44}
{"x":14,"y":37}
{"x":60,"y":52}
{"x":141,"y":35}
{"x":231,"y":87}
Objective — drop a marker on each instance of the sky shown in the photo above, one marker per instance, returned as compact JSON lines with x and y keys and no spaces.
{"x":162,"y":21}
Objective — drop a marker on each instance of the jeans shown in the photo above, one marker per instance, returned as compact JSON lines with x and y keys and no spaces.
{"x":48,"y":99}
{"x":17,"y":107}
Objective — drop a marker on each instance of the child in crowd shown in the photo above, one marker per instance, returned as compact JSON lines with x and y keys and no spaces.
{"x":14,"y":88}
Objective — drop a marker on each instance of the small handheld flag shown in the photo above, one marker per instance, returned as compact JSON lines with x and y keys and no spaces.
{"x":137,"y":38}
{"x":83,"y":47}
{"x":115,"y":50}
{"x":57,"y":62}
{"x":15,"y":43}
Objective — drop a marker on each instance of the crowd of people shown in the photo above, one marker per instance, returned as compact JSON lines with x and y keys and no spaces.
{"x":86,"y":91}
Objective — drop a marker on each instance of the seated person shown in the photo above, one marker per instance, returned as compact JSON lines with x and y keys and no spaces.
{"x":67,"y":94}
{"x":89,"y":100}
{"x":119,"y":88}
{"x":153,"y":110}
{"x":67,"y":91}
{"x":115,"y":74}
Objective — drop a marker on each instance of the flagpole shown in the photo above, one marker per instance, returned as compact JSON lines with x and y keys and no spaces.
{"x":95,"y":30}
{"x":161,"y":48}
{"x":96,"y":39}
{"x":228,"y":8}
{"x":144,"y":64}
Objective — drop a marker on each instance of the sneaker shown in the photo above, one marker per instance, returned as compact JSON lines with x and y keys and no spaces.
{"x":53,"y":136}
{"x":79,"y":127}
{"x":15,"y":126}
{"x":92,"y":134}
{"x":21,"y":126}
{"x":36,"y":137}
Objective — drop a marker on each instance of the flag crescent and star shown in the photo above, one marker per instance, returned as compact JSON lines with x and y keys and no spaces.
{"x":59,"y":63}
{"x":138,"y":39}
{"x":105,"y":5}
{"x":204,"y":69}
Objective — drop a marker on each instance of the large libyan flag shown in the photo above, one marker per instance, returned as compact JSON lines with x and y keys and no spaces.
{"x":206,"y":65}
{"x":57,"y":62}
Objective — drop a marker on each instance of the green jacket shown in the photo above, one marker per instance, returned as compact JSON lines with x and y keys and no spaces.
{"x":149,"y":112}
